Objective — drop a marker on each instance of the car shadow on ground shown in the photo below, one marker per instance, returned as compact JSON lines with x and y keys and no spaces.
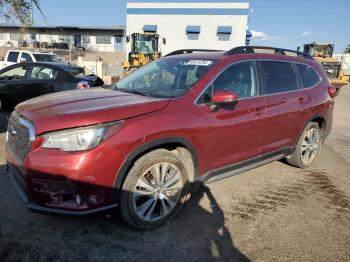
{"x":197,"y":233}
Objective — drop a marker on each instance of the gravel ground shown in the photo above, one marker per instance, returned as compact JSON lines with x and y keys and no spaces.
{"x":272,"y":213}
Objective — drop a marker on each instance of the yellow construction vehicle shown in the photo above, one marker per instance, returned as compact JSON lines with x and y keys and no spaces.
{"x":144,"y":49}
{"x":333,"y":68}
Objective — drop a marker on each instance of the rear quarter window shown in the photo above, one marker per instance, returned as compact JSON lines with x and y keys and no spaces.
{"x":278,"y":77}
{"x":308,"y":75}
{"x":75,"y":71}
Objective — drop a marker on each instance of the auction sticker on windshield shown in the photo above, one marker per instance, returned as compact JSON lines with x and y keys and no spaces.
{"x":199,"y":62}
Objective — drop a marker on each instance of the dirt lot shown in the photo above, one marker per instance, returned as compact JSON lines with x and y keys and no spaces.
{"x":273,"y":213}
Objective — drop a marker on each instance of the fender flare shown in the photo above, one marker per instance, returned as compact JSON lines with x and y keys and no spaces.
{"x":318,"y":115}
{"x":145,"y":148}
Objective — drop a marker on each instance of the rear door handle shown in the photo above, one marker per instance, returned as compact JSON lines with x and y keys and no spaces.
{"x":258,"y":111}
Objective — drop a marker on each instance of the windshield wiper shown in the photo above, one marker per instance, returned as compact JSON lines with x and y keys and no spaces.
{"x":132,"y":91}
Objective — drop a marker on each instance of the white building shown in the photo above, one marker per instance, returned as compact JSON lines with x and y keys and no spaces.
{"x":200,"y":24}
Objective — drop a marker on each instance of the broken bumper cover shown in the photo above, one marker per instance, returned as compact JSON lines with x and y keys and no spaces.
{"x":57,"y":197}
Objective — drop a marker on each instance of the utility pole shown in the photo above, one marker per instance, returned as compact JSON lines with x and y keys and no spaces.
{"x":31,"y":5}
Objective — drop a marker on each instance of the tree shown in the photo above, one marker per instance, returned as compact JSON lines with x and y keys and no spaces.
{"x":19,"y":11}
{"x":347,"y":50}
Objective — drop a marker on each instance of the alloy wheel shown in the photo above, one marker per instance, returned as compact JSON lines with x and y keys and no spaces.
{"x":157,"y":191}
{"x":310,"y":145}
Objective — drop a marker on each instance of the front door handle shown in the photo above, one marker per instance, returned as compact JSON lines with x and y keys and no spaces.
{"x":301,"y":99}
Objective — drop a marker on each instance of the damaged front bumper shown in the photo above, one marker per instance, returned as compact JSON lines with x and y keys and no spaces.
{"x":59,"y":196}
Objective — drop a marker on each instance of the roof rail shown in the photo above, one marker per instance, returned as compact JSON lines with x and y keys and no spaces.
{"x":277,"y":51}
{"x":190,"y":51}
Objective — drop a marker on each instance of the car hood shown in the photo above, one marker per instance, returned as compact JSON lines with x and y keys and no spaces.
{"x":86,"y":107}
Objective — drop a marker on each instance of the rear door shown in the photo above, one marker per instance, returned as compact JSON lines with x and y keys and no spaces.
{"x":234,"y":132}
{"x":12,"y":80}
{"x":41,"y":81}
{"x":285,"y":103}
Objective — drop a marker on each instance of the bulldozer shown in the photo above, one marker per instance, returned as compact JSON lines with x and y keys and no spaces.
{"x":333,"y":68}
{"x":144,"y":49}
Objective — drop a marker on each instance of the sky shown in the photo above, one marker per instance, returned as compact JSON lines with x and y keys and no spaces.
{"x":278,"y":23}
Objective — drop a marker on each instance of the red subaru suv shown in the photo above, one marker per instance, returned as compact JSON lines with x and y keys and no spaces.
{"x":182,"y":120}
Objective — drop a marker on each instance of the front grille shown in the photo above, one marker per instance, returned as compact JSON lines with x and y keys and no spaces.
{"x":19,"y":137}
{"x":332,"y":69}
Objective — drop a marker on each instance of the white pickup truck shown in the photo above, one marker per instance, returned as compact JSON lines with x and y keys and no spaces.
{"x":19,"y":56}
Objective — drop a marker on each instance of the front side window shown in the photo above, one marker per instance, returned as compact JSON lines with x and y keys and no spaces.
{"x":278,"y":77}
{"x":12,"y":57}
{"x":308,"y":75}
{"x":42,"y":73}
{"x":238,"y":78}
{"x":16,"y":73}
{"x":167,"y":77}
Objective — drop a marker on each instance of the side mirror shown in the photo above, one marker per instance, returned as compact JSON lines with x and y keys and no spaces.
{"x":224,"y":97}
{"x":127,"y":38}
{"x":164,"y":41}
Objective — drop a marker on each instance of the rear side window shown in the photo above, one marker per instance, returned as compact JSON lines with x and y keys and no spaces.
{"x":26,"y":58}
{"x":278,"y":77}
{"x":43,"y":73}
{"x":75,"y":71}
{"x":308,"y":75}
{"x":12,"y":57}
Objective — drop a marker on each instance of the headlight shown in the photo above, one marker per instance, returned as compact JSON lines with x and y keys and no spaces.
{"x":79,"y":139}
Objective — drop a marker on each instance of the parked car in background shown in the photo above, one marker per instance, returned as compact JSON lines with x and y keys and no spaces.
{"x":22,"y":56}
{"x":23,"y":81}
{"x":179,"y":121}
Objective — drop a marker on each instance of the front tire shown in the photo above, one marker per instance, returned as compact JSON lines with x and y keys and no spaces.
{"x":308,"y":146}
{"x":154,"y":190}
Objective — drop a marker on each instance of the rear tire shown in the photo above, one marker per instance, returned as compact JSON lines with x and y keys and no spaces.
{"x":154,"y":190}
{"x":308,"y":146}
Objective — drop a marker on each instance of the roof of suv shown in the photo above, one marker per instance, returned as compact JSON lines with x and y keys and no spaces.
{"x":241,"y":50}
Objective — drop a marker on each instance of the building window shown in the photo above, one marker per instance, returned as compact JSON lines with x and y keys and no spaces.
{"x":193,"y":32}
{"x":103,"y":39}
{"x":2,"y":36}
{"x":224,"y":33}
{"x":85,"y":39}
{"x":15,"y":36}
{"x":118,"y":39}
{"x":150,"y":28}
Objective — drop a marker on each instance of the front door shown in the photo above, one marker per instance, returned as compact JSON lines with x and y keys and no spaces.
{"x":234,"y":132}
{"x":12,"y":81}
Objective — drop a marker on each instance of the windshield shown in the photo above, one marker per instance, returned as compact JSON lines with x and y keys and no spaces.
{"x":166,"y":77}
{"x":321,"y":51}
{"x":146,"y":44}
{"x":48,"y":58}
